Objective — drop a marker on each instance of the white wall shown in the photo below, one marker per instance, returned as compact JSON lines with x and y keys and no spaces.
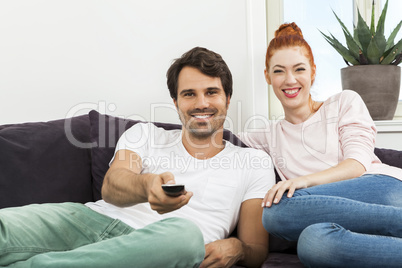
{"x":61,"y":58}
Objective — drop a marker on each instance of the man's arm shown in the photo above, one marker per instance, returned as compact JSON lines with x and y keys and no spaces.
{"x":250,"y":249}
{"x":252,"y":234}
{"x":124,"y":186}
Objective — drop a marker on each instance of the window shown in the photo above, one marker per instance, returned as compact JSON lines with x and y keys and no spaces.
{"x":315,"y":15}
{"x":392,"y":19}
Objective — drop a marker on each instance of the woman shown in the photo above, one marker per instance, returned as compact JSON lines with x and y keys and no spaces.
{"x":336,"y":198}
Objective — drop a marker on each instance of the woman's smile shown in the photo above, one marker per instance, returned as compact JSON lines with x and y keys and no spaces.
{"x":291,"y":92}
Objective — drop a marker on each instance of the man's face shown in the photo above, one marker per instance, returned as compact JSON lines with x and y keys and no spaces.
{"x":201,"y":103}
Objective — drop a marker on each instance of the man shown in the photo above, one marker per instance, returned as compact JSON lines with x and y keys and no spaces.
{"x":137,"y":224}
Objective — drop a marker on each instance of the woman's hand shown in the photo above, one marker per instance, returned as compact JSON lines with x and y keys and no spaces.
{"x":276,"y":192}
{"x":345,"y":170}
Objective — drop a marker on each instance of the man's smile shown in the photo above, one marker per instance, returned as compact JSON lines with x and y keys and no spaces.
{"x":202,"y":116}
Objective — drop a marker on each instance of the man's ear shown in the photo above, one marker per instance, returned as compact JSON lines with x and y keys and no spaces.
{"x":175,"y":102}
{"x":267,"y":78}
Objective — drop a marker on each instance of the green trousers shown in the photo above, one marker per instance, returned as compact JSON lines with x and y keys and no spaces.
{"x":72,"y":235}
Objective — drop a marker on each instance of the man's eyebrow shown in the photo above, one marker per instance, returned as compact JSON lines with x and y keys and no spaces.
{"x":184,"y":91}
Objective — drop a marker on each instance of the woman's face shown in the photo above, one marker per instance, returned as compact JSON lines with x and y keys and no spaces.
{"x":290,"y":75}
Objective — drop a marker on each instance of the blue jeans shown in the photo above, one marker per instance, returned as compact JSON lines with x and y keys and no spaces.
{"x":352,"y":223}
{"x":72,"y":235}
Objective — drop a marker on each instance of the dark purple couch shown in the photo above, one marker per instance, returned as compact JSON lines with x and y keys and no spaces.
{"x":65,"y":161}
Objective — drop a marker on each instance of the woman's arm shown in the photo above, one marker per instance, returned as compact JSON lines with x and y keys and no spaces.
{"x":356,"y":132}
{"x":347,"y":169}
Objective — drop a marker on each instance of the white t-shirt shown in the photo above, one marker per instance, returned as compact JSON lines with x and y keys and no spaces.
{"x":220,"y":184}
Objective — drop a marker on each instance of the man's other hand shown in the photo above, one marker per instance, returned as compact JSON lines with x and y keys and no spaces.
{"x":222,"y":253}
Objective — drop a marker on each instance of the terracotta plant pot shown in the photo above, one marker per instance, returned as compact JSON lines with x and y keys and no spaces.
{"x":378,"y":85}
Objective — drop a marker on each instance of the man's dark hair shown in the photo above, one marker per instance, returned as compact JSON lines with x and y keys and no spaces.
{"x":207,"y":62}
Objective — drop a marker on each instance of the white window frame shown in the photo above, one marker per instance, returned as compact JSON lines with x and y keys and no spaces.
{"x":274,"y":19}
{"x":274,"y":9}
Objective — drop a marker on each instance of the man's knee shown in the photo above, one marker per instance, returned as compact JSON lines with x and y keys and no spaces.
{"x":184,"y":228}
{"x":185,"y":237}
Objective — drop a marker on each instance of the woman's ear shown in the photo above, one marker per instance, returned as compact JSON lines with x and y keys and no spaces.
{"x":267,"y":78}
{"x":313,"y":74}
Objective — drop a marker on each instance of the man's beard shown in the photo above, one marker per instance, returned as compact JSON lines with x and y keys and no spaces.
{"x":203,"y":130}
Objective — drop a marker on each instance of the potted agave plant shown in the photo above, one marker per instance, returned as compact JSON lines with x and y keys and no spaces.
{"x":372,"y":64}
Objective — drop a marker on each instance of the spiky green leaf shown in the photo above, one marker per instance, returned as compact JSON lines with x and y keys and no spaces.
{"x":374,"y":52}
{"x":381,"y":20}
{"x":350,"y":42}
{"x":362,"y":33}
{"x":372,"y":27}
{"x":390,"y":41}
{"x":345,"y":53}
{"x":378,"y":43}
{"x":352,"y":45}
{"x":391,"y":54}
{"x":342,"y":24}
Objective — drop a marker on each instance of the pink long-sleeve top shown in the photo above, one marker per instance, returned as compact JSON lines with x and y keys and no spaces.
{"x":342,"y":128}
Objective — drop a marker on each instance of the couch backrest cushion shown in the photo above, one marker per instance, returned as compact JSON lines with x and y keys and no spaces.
{"x":389,"y":156}
{"x":106,"y":131}
{"x":39,"y":162}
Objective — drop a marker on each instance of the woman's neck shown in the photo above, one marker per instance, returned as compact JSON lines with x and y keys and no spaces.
{"x":302,"y":114}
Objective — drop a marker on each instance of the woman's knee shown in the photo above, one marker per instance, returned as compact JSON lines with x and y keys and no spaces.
{"x":277,"y":219}
{"x":270,"y":219}
{"x":317,"y":245}
{"x":287,"y":218}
